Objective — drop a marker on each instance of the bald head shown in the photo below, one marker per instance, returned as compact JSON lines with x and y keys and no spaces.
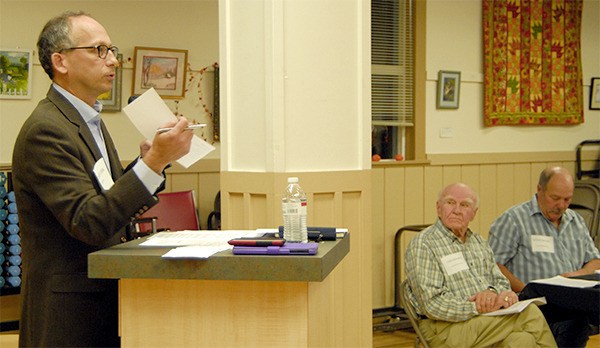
{"x":456,"y":207}
{"x":547,"y":174}
{"x":554,"y":193}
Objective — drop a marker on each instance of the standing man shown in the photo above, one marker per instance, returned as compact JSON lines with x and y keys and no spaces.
{"x":453,"y":279}
{"x":74,"y":197}
{"x":542,"y":238}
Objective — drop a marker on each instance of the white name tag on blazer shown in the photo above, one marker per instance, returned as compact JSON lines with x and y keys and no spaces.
{"x":454,"y":263}
{"x":103,"y":175}
{"x":542,"y":244}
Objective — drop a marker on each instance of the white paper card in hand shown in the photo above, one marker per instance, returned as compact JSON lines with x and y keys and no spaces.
{"x":517,"y":307}
{"x":149,"y":112}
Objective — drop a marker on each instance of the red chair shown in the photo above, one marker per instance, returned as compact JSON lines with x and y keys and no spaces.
{"x":175,"y":211}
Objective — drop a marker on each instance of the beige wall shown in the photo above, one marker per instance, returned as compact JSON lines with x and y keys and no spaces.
{"x":455,"y":42}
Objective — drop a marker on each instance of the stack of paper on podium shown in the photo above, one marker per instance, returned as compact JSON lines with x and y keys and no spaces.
{"x":195,"y":244}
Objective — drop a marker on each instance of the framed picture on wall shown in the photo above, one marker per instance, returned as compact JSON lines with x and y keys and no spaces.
{"x":448,"y":89}
{"x":111,"y":100}
{"x":15,"y":73}
{"x":163,"y":69}
{"x":595,"y":94}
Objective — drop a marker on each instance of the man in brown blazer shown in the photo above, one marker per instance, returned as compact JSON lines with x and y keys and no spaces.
{"x":74,"y":196}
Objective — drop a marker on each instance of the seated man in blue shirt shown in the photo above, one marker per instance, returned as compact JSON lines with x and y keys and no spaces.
{"x":542,"y":238}
{"x":453,"y":279}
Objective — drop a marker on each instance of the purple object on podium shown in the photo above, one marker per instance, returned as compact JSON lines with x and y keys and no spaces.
{"x":287,"y":248}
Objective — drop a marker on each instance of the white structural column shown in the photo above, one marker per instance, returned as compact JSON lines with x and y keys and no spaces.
{"x":295,"y":85}
{"x":295,"y":101}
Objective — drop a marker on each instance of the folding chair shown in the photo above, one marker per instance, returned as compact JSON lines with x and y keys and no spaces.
{"x":175,"y":211}
{"x":395,"y":316}
{"x":586,"y":201}
{"x":214,"y":218}
{"x":412,"y":315}
{"x":590,"y":173}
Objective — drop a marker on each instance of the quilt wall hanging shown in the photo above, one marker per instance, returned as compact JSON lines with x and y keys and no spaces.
{"x":532,"y":62}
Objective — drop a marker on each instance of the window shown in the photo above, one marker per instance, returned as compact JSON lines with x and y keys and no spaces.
{"x":392,"y":77}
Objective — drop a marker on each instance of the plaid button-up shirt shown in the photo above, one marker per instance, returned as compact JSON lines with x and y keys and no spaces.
{"x":443,"y":273}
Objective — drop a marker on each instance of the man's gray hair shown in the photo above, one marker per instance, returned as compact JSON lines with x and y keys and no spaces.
{"x":548,"y":173}
{"x":55,"y":36}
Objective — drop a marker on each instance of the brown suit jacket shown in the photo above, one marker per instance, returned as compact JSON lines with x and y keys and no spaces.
{"x":64,"y":216}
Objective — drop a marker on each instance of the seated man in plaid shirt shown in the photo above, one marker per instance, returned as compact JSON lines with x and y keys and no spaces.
{"x":453,"y":279}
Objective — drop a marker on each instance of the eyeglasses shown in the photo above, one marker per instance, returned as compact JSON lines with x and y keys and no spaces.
{"x":102,"y":50}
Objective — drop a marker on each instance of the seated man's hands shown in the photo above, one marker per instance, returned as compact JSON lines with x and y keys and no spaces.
{"x":168,"y":146}
{"x":488,"y":301}
{"x":507,"y":298}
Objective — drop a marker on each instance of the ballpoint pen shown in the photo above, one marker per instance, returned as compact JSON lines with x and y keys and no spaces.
{"x":190,"y":127}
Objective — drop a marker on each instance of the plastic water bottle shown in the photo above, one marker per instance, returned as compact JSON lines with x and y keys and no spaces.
{"x":294,"y":206}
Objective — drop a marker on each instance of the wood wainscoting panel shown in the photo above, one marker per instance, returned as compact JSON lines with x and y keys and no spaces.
{"x":340,"y":199}
{"x":202,"y":313}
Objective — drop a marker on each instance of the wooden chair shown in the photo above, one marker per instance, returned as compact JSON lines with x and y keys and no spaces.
{"x":175,"y":211}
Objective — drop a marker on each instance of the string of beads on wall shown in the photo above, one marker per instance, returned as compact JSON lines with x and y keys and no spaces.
{"x":199,"y":95}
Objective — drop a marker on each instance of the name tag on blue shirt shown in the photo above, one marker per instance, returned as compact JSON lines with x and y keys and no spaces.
{"x":542,"y":244}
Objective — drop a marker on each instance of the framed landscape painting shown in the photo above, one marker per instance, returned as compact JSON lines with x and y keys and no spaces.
{"x":160,"y":68}
{"x":15,"y":73}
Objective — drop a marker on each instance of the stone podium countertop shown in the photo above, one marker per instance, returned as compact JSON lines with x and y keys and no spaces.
{"x":130,"y":260}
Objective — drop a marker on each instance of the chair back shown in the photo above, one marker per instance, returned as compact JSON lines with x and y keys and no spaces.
{"x":412,"y":315}
{"x":586,"y":202}
{"x":175,"y":211}
{"x":214,"y":218}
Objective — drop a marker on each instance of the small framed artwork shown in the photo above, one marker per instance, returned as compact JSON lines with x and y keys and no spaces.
{"x":111,"y":100}
{"x":595,"y":94}
{"x":448,"y":89}
{"x":160,"y":68}
{"x":15,"y":73}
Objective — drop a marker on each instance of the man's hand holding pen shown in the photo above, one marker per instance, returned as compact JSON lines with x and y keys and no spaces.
{"x":192,"y":126}
{"x":169,"y":145}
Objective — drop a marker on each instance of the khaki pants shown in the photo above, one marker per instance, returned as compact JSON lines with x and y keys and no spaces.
{"x":525,"y":329}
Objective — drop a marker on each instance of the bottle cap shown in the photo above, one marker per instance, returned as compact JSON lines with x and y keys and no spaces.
{"x":292,"y":179}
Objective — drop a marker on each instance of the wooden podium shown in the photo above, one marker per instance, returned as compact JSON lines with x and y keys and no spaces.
{"x":225,"y":300}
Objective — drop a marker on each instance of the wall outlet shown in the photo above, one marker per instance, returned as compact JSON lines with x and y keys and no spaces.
{"x":446,"y":132}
